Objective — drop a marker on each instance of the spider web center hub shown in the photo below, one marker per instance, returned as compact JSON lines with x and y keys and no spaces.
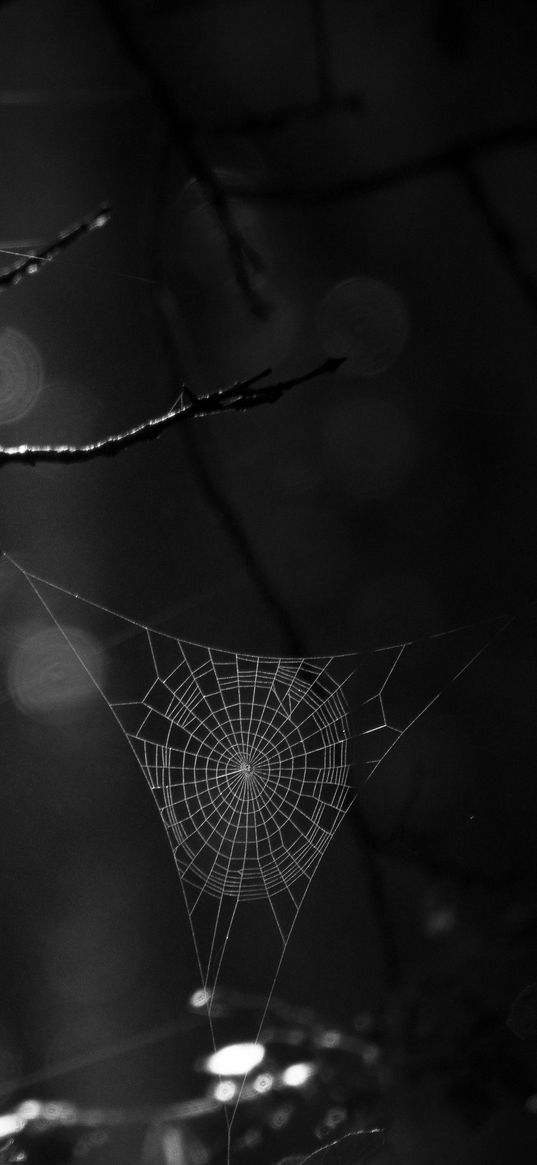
{"x":249,"y":772}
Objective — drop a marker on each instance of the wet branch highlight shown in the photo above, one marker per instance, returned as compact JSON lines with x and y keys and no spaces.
{"x":31,"y":264}
{"x":240,"y":396}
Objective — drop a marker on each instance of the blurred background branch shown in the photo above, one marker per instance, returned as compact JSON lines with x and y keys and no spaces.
{"x":290,"y":182}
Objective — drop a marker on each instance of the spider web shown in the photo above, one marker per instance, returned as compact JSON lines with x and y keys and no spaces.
{"x":253,"y":761}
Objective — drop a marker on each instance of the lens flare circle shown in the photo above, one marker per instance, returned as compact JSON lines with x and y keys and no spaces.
{"x":46,"y":676}
{"x":366,"y":321}
{"x":21,"y":375}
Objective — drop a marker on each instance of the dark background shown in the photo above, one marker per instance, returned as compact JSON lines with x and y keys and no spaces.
{"x":357,"y":512}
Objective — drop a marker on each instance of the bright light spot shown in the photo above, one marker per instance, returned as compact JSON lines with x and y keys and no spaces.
{"x":30,"y":1110}
{"x":297,"y":1074}
{"x":225,"y":1091}
{"x":10,"y":1124}
{"x":366,"y":321}
{"x":101,"y":220}
{"x":235,"y":1060}
{"x":200,"y":998}
{"x":21,"y":375}
{"x":47,"y":676}
{"x":263,"y":1083}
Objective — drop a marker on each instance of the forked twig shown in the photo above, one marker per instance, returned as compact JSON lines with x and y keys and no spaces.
{"x":31,"y":264}
{"x":238,"y":396}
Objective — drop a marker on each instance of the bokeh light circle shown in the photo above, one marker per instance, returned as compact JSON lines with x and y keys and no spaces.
{"x":46,"y":676}
{"x":21,"y":375}
{"x":366,"y":321}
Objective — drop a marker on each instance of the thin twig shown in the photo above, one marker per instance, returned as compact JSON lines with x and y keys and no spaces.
{"x":181,"y":363}
{"x":31,"y":264}
{"x":238,"y":396}
{"x":453,"y":156}
{"x":245,"y":260}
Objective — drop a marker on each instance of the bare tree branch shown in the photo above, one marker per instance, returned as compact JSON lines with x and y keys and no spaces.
{"x":503,"y":238}
{"x":245,"y":260}
{"x":320,"y":40}
{"x":238,"y":397}
{"x":450,"y":158}
{"x":280,"y":119}
{"x":182,"y":366}
{"x":31,"y":264}
{"x":459,"y":158}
